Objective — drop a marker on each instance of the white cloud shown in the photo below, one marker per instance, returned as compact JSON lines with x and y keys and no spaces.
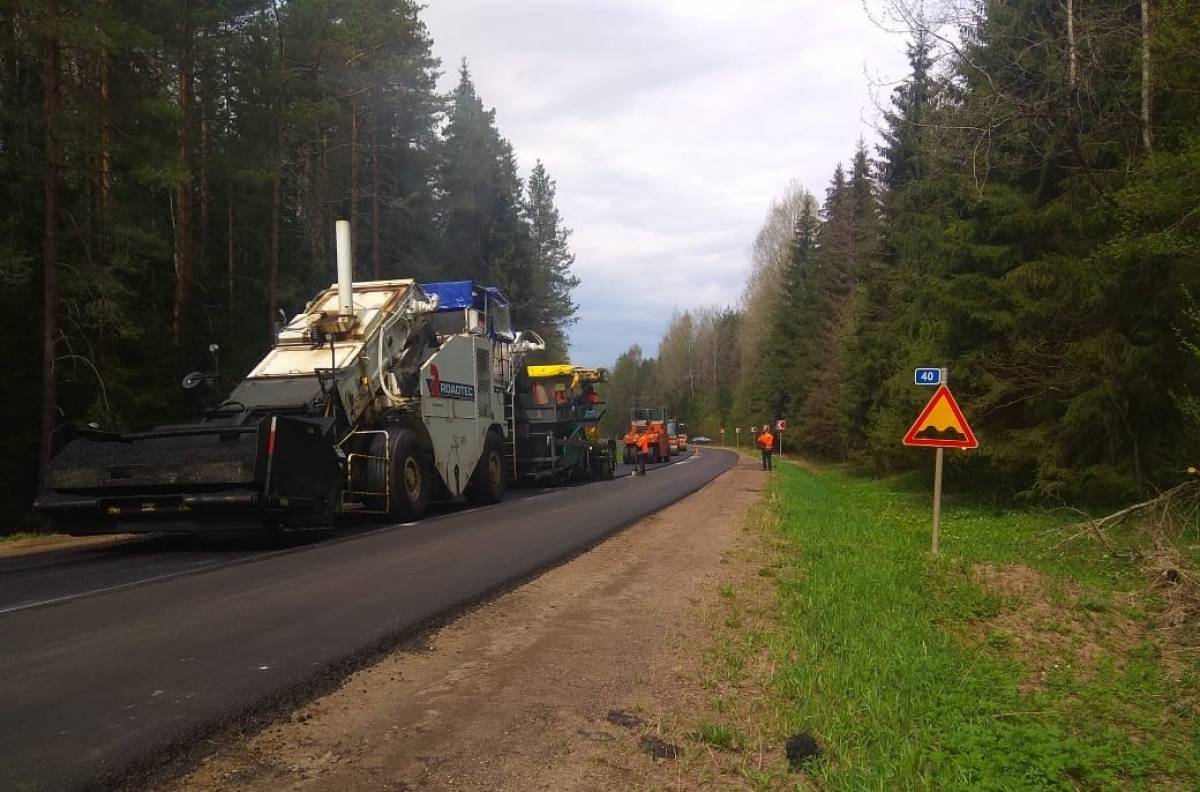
{"x":669,"y":126}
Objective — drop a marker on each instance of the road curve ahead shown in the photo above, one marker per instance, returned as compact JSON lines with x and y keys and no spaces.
{"x":95,"y":687}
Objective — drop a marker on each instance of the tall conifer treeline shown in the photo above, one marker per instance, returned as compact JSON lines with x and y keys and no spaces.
{"x":170,"y":172}
{"x":1031,"y":220}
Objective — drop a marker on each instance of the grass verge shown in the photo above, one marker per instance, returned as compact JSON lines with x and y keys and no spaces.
{"x":1005,"y":663}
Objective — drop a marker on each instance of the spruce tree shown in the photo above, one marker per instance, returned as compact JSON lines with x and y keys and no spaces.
{"x":470,"y":182}
{"x":553,"y":281}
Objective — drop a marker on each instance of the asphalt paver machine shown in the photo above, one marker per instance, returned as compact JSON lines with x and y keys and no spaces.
{"x":558,"y":414}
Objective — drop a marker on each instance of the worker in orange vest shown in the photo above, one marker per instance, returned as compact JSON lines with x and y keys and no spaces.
{"x":643,"y":451}
{"x":766,"y":441}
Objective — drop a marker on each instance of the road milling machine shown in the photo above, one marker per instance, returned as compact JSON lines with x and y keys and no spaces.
{"x":378,"y":398}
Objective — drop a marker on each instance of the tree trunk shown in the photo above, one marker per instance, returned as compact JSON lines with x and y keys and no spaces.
{"x":102,"y":220}
{"x":183,"y":203}
{"x":229,"y":261}
{"x":1147,"y":142}
{"x":50,"y":241}
{"x":205,"y":145}
{"x":104,"y":189}
{"x":353,"y":176}
{"x":376,"y":253}
{"x":1072,"y":52}
{"x":273,"y":275}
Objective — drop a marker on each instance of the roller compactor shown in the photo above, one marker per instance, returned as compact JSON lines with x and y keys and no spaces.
{"x":380,"y":397}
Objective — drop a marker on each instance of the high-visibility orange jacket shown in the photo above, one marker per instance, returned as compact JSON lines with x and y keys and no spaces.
{"x":643,"y":442}
{"x":766,"y":441}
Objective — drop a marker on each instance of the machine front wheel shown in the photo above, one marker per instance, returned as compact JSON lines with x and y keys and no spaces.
{"x":410,"y":477}
{"x":487,"y":483}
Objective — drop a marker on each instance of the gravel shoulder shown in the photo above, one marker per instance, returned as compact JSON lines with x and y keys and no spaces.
{"x":572,"y":681}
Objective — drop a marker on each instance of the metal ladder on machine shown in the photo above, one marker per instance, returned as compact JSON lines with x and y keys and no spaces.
{"x":509,"y":377}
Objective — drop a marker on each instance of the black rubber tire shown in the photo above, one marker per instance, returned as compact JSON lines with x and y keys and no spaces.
{"x":411,"y":478}
{"x":490,"y":477}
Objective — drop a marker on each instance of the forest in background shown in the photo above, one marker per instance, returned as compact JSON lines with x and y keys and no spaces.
{"x":1030,"y":220}
{"x":171,"y":171}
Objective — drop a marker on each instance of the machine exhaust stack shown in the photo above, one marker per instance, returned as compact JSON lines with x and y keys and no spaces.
{"x":345,"y":269}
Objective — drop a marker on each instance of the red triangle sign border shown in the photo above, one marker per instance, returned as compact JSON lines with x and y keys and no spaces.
{"x":943,"y":392}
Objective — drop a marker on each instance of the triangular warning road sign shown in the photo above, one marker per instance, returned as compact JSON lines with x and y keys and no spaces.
{"x":941,"y":424}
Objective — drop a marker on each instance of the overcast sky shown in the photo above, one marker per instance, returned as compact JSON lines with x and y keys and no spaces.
{"x":669,"y":125}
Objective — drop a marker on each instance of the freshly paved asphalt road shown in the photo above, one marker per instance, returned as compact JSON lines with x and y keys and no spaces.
{"x":96,"y":685}
{"x":53,"y":577}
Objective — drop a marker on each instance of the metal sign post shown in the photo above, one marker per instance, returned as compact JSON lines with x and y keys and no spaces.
{"x":938,"y":460}
{"x":940,"y":425}
{"x":738,"y":431}
{"x":937,"y":496}
{"x":722,"y":435}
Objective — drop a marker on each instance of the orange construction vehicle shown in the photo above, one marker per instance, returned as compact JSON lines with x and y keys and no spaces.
{"x":651,"y":421}
{"x":676,"y":433}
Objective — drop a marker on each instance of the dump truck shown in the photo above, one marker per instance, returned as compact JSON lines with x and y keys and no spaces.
{"x":558,"y":415}
{"x":651,"y":421}
{"x":376,"y":399}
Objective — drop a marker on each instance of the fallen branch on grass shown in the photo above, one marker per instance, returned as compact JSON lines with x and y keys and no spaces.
{"x":1163,"y":501}
{"x":1178,"y":506}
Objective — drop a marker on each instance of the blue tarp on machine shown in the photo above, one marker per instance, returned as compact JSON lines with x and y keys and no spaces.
{"x":460,"y":295}
{"x":456,"y":295}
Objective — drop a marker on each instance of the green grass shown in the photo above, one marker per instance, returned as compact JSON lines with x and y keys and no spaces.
{"x":718,"y":735}
{"x":13,"y":537}
{"x":870,"y":654}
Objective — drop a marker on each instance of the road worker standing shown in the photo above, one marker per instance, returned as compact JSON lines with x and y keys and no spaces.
{"x":643,"y":451}
{"x":766,"y":441}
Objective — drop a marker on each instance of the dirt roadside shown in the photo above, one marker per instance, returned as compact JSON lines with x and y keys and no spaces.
{"x":517,"y":695}
{"x":45,"y":543}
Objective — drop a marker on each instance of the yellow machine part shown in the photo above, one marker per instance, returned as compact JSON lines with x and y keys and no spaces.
{"x":576,"y":373}
{"x":553,"y":370}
